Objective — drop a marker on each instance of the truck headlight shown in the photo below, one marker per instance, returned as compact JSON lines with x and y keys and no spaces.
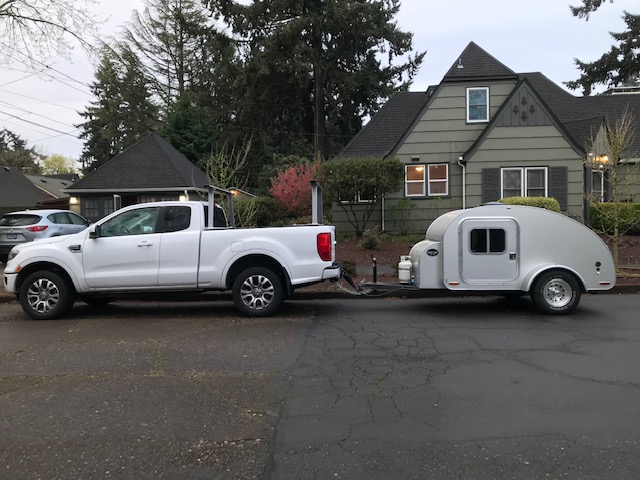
{"x":12,"y":254}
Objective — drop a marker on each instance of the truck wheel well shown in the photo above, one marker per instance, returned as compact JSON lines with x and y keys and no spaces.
{"x":258,"y":261}
{"x":49,"y":267}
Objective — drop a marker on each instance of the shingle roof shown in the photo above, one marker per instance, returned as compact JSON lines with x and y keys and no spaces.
{"x":17,"y":191}
{"x":152,"y":163}
{"x":383,"y":132}
{"x":50,"y":184}
{"x":475,"y":63}
{"x":580,"y":116}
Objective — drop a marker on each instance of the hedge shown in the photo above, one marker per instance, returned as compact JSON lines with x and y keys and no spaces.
{"x":602,"y":215}
{"x":541,"y":202}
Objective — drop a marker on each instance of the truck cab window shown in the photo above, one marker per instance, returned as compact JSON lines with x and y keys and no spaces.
{"x":176,"y":219}
{"x":134,"y":222}
{"x":487,"y":240}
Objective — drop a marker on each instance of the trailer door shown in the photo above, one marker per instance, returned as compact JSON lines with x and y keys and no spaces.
{"x":489,"y":251}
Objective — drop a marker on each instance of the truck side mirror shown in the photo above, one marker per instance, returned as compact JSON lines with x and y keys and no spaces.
{"x":94,"y":232}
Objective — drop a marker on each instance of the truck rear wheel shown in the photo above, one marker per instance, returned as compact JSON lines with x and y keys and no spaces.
{"x":257,"y":292}
{"x":45,"y":295}
{"x":556,"y":292}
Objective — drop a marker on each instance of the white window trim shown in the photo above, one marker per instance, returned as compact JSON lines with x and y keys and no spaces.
{"x":407,"y":182}
{"x":523,"y":177}
{"x":426,"y":180}
{"x":469,"y":89}
{"x":445,"y":181}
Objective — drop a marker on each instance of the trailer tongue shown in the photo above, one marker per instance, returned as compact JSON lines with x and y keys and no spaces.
{"x":508,"y":250}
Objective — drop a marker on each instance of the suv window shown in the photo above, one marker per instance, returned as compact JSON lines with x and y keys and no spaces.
{"x":19,"y":220}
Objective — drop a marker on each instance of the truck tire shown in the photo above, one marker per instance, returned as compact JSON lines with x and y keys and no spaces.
{"x":556,"y":292}
{"x":257,"y":292}
{"x":45,"y":295}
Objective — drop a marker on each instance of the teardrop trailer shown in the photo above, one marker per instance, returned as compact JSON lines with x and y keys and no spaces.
{"x":507,"y":250}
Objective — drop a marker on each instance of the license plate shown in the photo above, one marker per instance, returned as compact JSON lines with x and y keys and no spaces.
{"x":12,"y":236}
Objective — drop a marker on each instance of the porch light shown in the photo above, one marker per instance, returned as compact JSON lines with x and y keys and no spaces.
{"x":73,"y":200}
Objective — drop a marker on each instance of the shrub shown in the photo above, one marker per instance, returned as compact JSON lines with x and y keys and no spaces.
{"x":370,"y":239}
{"x":291,"y":188}
{"x":602,"y":217}
{"x":258,"y":211}
{"x":541,"y":202}
{"x":349,"y":266}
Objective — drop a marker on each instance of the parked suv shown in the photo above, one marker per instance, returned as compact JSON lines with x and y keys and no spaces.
{"x":20,"y":227}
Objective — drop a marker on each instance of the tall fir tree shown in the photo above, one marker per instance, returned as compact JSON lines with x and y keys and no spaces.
{"x":122,"y":113}
{"x":620,"y":65}
{"x":315,"y":69}
{"x":190,"y":67}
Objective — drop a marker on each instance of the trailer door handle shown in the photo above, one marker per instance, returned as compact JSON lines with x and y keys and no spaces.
{"x":512,"y":255}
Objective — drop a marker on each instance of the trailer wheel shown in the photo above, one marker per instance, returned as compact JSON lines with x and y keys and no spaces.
{"x":257,"y":292}
{"x":556,"y":292}
{"x":45,"y":295}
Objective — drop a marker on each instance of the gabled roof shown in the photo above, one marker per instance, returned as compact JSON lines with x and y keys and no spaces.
{"x":475,"y":63}
{"x":17,"y":191}
{"x":148,"y":165}
{"x":381,"y":135}
{"x":579,"y":118}
{"x":50,"y":184}
{"x":582,"y":116}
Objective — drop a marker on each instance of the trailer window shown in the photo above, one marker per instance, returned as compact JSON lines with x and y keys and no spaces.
{"x":487,"y":240}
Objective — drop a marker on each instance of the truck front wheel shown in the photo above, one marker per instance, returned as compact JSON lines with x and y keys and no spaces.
{"x":45,"y":295}
{"x":257,"y":292}
{"x":556,"y":292}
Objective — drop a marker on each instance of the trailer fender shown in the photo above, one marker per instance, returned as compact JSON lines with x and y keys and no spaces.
{"x":532,"y":275}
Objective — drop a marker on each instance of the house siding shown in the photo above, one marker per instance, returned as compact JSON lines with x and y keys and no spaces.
{"x":531,"y":146}
{"x":441,"y":135}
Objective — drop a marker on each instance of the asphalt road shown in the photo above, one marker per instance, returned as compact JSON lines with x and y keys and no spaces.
{"x":428,"y":388}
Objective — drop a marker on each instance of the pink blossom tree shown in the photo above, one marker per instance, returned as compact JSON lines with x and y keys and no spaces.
{"x":291,"y":188}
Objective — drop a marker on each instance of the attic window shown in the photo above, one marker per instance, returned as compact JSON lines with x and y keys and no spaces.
{"x":477,"y":104}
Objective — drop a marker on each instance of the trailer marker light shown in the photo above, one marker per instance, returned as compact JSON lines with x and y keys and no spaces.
{"x":604,"y":283}
{"x":454,"y":284}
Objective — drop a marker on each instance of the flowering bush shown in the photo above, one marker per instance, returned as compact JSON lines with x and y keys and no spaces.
{"x":291,"y":188}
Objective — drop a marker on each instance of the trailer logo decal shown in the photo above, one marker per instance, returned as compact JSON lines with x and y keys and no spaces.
{"x":432,"y":252}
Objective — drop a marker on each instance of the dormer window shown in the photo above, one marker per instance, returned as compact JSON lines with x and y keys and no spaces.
{"x":477,"y":104}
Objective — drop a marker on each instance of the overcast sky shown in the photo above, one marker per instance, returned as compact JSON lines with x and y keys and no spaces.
{"x":539,"y":36}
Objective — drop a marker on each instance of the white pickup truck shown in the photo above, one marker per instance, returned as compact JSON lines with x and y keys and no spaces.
{"x":169,"y":247}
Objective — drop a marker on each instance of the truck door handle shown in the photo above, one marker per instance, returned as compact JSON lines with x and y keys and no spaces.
{"x":512,"y":256}
{"x":145,"y":244}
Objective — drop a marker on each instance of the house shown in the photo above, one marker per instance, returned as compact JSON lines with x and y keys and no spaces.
{"x":150,"y":170}
{"x":484,"y":133}
{"x":54,"y":186}
{"x":17,"y":192}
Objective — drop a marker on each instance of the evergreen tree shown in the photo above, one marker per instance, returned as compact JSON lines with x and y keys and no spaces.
{"x":122,"y":112}
{"x":190,"y":67}
{"x":14,"y":153}
{"x":314,"y":69}
{"x":620,"y":65}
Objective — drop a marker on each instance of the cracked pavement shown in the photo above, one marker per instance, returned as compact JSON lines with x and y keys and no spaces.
{"x":464,"y":388}
{"x":437,"y":388}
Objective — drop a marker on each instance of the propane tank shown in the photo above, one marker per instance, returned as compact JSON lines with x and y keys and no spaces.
{"x":404,"y":269}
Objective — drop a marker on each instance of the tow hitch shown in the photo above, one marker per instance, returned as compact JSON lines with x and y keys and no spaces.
{"x":370,"y":288}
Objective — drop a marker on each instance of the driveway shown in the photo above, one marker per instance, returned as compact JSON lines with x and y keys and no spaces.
{"x":430,"y":388}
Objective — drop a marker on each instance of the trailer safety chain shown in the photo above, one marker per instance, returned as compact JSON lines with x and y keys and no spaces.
{"x":354,"y":290}
{"x":358,"y":291}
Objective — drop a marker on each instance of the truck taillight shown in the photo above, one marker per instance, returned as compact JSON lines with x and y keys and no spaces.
{"x":324,"y":246}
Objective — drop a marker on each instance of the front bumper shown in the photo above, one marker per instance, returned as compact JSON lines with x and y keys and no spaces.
{"x":10,"y":280}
